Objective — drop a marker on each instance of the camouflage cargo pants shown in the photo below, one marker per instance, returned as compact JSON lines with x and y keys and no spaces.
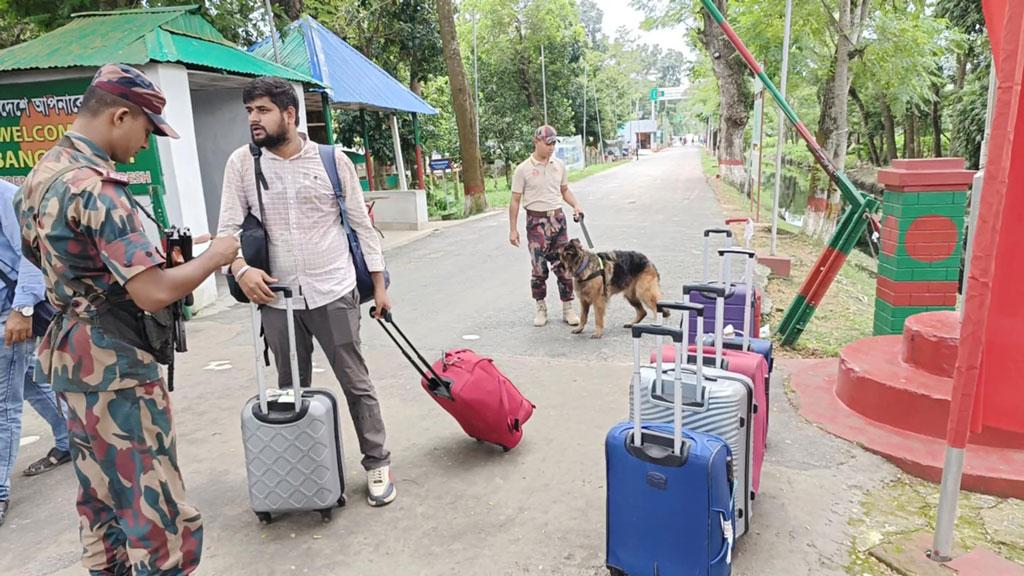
{"x":131,"y":506}
{"x":546,"y":233}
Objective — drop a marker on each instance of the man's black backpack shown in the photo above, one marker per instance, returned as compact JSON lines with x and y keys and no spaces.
{"x":255,"y":246}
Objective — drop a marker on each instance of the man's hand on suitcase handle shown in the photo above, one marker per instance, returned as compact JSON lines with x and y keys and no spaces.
{"x":385,"y":315}
{"x":255,"y":284}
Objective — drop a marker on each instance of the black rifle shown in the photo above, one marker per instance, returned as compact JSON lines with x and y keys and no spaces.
{"x":178,"y":247}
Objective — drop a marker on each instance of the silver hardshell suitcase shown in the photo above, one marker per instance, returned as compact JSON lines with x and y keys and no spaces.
{"x":293,"y":451}
{"x":715,"y":402}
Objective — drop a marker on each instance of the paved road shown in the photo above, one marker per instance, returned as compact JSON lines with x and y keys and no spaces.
{"x":463,"y":507}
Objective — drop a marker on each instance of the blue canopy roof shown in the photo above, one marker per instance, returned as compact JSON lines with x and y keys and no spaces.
{"x":352,"y":80}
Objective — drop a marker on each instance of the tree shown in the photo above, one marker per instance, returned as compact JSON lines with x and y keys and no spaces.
{"x":232,"y":18}
{"x":292,"y":8}
{"x":473,"y":182}
{"x":730,"y":73}
{"x":848,"y":24}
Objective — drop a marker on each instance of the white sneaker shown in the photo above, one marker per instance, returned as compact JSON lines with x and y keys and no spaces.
{"x":382,"y":489}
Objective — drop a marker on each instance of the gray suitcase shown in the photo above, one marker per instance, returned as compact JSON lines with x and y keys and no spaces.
{"x":715,"y":402}
{"x":293,"y":451}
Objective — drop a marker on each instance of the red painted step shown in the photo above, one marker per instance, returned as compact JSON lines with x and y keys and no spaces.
{"x":988,"y":469}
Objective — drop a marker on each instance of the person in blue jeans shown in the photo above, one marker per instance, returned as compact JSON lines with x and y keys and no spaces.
{"x":21,"y":288}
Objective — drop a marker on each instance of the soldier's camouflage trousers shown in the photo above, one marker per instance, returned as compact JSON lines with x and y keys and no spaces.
{"x":131,"y":506}
{"x":546,"y":233}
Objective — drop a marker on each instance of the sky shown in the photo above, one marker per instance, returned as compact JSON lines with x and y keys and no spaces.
{"x":619,"y":13}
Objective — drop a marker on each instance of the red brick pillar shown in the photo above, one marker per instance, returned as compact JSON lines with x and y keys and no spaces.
{"x":922,"y":239}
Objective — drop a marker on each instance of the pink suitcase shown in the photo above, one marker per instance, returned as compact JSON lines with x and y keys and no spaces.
{"x":472,"y":389}
{"x":749,"y":364}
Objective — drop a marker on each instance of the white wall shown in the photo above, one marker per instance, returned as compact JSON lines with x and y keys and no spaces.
{"x":302,"y":107}
{"x":179,"y":160}
{"x":221,"y":127}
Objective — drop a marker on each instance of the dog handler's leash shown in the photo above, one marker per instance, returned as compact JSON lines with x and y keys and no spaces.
{"x":579,"y":219}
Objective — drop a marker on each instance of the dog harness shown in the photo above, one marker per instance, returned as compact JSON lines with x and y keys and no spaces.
{"x":600,"y":272}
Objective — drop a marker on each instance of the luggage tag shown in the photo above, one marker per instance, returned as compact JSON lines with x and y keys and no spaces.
{"x":729,"y":537}
{"x":286,"y":396}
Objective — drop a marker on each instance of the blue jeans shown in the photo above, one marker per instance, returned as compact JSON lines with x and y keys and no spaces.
{"x":16,"y":386}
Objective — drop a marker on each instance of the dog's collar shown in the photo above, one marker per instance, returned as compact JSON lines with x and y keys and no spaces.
{"x":583,"y":266}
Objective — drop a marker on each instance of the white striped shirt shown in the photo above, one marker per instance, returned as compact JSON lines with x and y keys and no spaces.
{"x":308,"y":248}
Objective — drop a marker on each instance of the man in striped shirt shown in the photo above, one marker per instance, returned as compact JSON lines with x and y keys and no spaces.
{"x":309,"y":253}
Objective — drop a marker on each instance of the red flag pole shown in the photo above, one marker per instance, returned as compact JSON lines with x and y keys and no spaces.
{"x":1005,"y":21}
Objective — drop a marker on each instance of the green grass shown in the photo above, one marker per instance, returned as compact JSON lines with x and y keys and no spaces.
{"x":499,"y":195}
{"x":845,"y":314}
{"x":577,"y":175}
{"x":908,"y":505}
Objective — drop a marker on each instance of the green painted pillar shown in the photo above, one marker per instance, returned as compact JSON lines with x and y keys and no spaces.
{"x":922,"y":239}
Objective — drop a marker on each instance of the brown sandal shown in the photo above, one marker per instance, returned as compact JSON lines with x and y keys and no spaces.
{"x":52,"y":459}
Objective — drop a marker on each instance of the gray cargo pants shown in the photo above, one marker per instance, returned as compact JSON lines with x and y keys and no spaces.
{"x":336,"y":327}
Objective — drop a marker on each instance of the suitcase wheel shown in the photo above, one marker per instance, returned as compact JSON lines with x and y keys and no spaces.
{"x":264,"y":517}
{"x":505,"y":449}
{"x":326,"y":514}
{"x":616,"y":572}
{"x":342,"y":501}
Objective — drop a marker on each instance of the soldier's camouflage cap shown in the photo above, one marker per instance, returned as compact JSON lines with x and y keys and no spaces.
{"x":128,"y":83}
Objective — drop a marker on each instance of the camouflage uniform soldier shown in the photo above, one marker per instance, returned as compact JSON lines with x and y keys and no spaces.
{"x":540,"y":183}
{"x":80,"y":227}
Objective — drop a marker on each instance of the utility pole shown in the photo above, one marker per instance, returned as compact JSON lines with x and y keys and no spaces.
{"x":544,"y":83}
{"x":781,"y":132}
{"x":584,"y":113}
{"x":600,"y":137}
{"x":273,"y":30}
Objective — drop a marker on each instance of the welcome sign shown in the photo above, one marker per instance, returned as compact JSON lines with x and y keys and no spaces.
{"x":35,"y":116}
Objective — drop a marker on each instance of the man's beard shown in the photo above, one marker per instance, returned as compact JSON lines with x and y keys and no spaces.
{"x":270,"y":140}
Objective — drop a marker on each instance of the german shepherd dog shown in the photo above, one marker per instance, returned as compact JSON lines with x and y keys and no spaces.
{"x":597,"y":276}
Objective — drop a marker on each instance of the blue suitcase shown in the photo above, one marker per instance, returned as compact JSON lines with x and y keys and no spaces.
{"x":670,"y":491}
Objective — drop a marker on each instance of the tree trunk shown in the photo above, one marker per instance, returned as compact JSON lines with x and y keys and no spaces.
{"x":414,"y":78}
{"x":817,"y":197}
{"x":876,"y":158}
{"x":889,"y":125}
{"x":292,"y":8}
{"x":473,"y":181}
{"x":910,"y":133}
{"x":961,"y":72}
{"x":731,"y":75}
{"x":523,"y":76}
{"x":937,"y":121}
{"x":833,"y":126}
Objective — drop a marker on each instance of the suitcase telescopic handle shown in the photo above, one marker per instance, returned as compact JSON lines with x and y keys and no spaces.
{"x":293,"y":357}
{"x":748,"y":280}
{"x":720,"y":292}
{"x":654,"y":330}
{"x":707,"y":238}
{"x":284,"y":290}
{"x":707,"y":289}
{"x":683,"y":306}
{"x":738,"y":251}
{"x":438,"y":386}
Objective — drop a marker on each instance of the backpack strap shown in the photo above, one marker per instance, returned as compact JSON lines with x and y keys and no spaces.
{"x":331,"y":166}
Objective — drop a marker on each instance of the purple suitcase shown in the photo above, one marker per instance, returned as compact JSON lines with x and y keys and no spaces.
{"x":735,"y":299}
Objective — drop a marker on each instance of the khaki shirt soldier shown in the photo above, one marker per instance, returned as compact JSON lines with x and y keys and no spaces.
{"x":540,"y":184}
{"x":80,"y":227}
